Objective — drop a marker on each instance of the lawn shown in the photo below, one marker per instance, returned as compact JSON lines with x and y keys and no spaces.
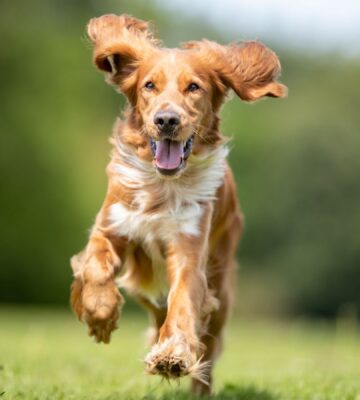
{"x":46,"y":355}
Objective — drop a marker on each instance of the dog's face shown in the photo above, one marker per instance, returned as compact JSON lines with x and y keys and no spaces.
{"x":175,"y":94}
{"x":174,"y":99}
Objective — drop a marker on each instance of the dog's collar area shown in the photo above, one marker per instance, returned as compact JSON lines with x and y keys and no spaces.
{"x":170,"y":155}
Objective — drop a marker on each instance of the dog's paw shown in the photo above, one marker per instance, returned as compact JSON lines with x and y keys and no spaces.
{"x":98,"y":306}
{"x":101,"y":309}
{"x":172,"y":358}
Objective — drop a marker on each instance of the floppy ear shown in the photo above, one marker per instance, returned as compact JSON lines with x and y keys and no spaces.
{"x":120,"y":43}
{"x":251,"y":71}
{"x":249,"y":68}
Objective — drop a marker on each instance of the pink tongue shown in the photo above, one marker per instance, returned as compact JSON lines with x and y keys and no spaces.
{"x":168,"y":154}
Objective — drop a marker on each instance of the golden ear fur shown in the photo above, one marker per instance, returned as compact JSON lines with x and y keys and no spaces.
{"x":249,"y":68}
{"x":120,"y":43}
{"x":120,"y":35}
{"x":255,"y":69}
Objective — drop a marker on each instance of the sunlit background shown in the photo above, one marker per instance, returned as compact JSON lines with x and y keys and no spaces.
{"x":296,"y":161}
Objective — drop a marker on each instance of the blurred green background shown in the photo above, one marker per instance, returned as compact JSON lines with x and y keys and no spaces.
{"x":296,"y":162}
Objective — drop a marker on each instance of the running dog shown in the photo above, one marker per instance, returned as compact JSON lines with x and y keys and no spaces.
{"x":170,"y":223}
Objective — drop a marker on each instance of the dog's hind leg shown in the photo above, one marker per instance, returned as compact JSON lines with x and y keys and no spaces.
{"x":157,"y":317}
{"x":212,"y":341}
{"x":221,"y":279}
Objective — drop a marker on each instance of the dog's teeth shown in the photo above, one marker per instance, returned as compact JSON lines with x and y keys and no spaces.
{"x":153,"y":146}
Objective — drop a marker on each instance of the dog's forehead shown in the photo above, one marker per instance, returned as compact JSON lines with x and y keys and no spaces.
{"x":171,"y":63}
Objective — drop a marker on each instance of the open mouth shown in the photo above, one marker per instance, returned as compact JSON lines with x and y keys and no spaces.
{"x":170,"y":155}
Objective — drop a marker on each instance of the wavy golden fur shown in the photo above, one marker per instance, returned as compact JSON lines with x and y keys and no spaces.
{"x":170,"y":223}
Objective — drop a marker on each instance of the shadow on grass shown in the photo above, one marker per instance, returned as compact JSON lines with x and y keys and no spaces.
{"x":237,"y":392}
{"x":229,"y":392}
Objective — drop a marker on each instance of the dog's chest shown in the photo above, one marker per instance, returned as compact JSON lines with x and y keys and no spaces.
{"x":148,"y":229}
{"x":163,"y":224}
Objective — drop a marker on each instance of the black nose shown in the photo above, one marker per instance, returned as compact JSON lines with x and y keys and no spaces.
{"x":167,"y":121}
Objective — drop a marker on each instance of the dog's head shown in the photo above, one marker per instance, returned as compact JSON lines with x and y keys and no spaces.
{"x":175,"y":94}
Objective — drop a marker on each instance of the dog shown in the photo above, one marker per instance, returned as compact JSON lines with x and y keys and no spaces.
{"x":170,"y":223}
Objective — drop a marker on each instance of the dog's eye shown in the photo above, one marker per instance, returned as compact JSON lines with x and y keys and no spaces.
{"x":149,"y":85}
{"x":193,"y":87}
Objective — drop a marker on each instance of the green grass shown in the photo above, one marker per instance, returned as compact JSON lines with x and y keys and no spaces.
{"x":46,"y":355}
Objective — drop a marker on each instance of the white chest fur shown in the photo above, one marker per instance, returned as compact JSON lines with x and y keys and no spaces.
{"x":163,"y":224}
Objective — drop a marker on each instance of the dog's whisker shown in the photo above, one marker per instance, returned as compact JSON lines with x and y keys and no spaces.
{"x":203,"y":138}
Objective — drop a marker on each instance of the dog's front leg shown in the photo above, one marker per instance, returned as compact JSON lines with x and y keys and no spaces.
{"x":94,"y":296}
{"x":178,"y":350}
